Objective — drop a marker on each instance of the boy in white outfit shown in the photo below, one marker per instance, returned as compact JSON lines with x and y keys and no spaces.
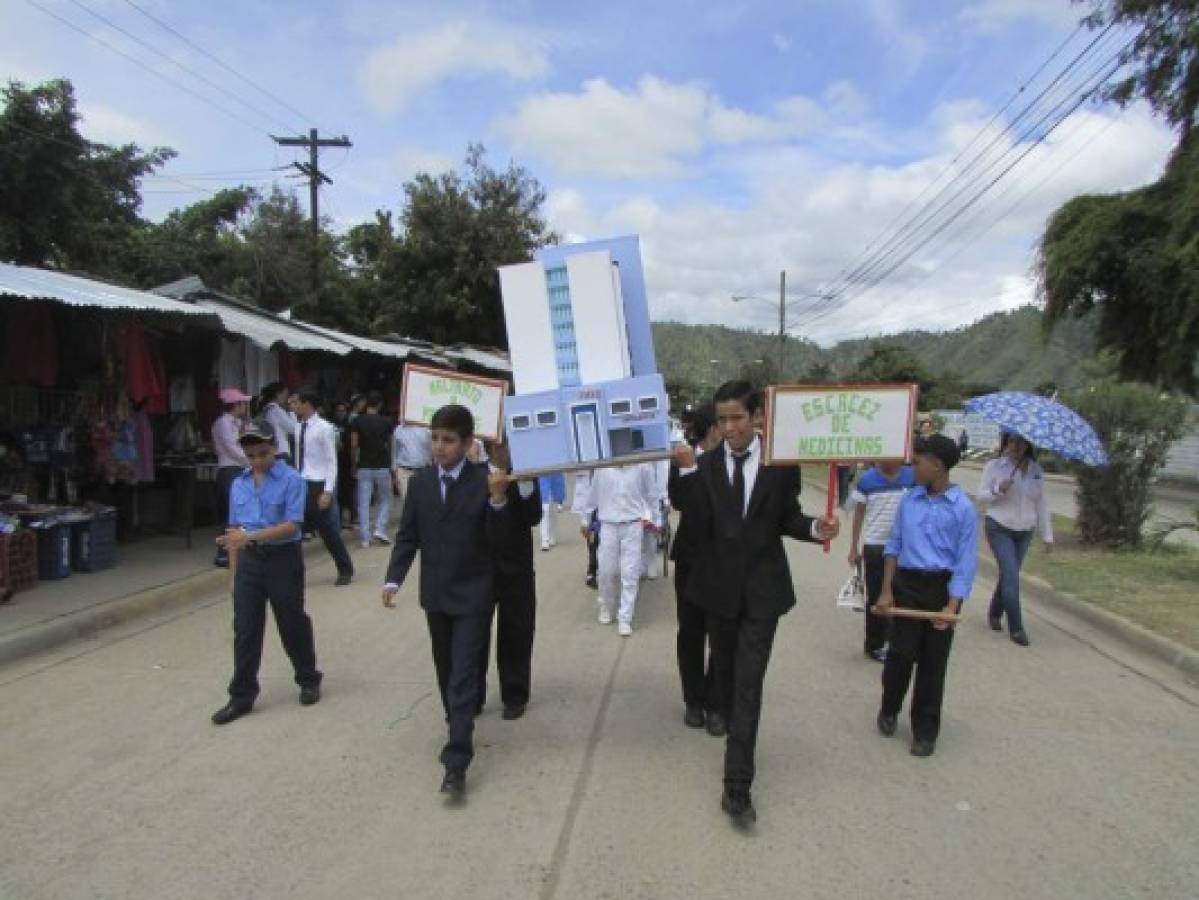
{"x":659,"y":503}
{"x":624,"y":498}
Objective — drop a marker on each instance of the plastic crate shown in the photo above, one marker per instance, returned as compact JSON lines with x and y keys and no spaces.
{"x":94,"y":543}
{"x":53,"y":552}
{"x":18,"y":560}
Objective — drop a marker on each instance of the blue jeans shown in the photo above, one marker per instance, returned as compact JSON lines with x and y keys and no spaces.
{"x":369,"y":482}
{"x":1009,"y":548}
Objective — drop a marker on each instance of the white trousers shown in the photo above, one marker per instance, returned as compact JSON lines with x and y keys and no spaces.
{"x":620,"y":562}
{"x":549,"y":524}
{"x":649,"y":553}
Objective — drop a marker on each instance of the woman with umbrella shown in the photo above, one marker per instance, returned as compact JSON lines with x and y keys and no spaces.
{"x":1013,"y":489}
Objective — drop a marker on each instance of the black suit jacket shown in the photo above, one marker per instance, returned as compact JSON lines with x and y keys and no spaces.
{"x":740,"y":566}
{"x":685,"y":541}
{"x":513,"y":550}
{"x":456,"y":540}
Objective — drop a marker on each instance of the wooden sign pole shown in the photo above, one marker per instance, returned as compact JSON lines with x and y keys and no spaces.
{"x":833,"y":499}
{"x":923,"y":614}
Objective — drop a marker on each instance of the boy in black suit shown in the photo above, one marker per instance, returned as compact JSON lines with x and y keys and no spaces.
{"x":740,"y":510}
{"x":515,"y":594}
{"x":454,"y":514}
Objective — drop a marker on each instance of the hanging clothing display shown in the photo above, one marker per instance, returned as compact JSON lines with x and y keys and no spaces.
{"x":183,"y":394}
{"x":143,"y":441}
{"x":262,"y":367}
{"x":231,"y":364}
{"x":144,"y":377}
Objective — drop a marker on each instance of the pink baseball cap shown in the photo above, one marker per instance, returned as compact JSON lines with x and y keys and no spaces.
{"x":233,"y":395}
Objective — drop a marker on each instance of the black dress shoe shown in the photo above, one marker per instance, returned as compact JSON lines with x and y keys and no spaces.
{"x":310,"y":695}
{"x":513,"y":712}
{"x":454,"y":783}
{"x":592,"y":581}
{"x":221,"y":562}
{"x":887,"y":724}
{"x":923,"y":747}
{"x":1019,"y":637}
{"x":739,"y":806}
{"x":343,"y":580}
{"x":879,"y":655}
{"x":996,"y":623}
{"x":718,"y":726}
{"x":693,"y":717}
{"x":230,"y":711}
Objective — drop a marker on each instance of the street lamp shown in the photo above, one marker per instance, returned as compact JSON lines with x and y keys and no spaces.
{"x":783,"y":304}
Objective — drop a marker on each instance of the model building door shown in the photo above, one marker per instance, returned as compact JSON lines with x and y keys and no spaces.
{"x":585,"y":422}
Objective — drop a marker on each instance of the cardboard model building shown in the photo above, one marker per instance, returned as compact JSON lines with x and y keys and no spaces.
{"x":587,"y":388}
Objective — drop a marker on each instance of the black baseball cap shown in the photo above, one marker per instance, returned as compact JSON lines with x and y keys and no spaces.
{"x":942,"y":447}
{"x":257,"y":433}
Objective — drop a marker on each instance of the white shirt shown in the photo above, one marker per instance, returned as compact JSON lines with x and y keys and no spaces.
{"x":750,"y":468}
{"x":414,"y":447}
{"x":284,"y":423}
{"x":1023,"y":506}
{"x":620,"y":494}
{"x":225,"y":432}
{"x":318,"y":457}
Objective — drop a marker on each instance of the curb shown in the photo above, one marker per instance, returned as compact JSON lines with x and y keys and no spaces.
{"x":86,"y":623}
{"x":1161,"y":648}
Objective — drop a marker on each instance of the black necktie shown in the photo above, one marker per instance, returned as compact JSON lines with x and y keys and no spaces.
{"x":300,"y":449}
{"x":447,"y":482}
{"x":739,"y":481}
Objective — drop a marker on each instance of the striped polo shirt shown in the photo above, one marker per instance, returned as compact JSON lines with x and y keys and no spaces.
{"x":881,"y":496}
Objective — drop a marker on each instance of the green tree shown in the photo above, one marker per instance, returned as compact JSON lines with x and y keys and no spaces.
{"x":886,"y":362}
{"x":1165,"y":70}
{"x":456,"y":229}
{"x":65,"y":201}
{"x":1134,"y":258}
{"x":818,"y":373}
{"x":1137,"y":424}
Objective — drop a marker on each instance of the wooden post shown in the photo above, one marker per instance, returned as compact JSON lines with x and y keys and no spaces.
{"x":831,"y":507}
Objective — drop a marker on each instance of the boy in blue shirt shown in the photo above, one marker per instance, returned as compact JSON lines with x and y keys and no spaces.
{"x":266,"y":513}
{"x":876,"y":499}
{"x":930,"y":562}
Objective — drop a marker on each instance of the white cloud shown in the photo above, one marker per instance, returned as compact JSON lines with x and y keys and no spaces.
{"x":111,"y":126}
{"x":659,"y":128}
{"x":394,"y":73}
{"x":409,"y":161}
{"x":814,"y":218}
{"x":993,"y":15}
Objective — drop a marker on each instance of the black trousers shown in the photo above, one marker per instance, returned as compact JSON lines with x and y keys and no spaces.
{"x":740,"y":653}
{"x":223,"y":484}
{"x":327,"y":523}
{"x":516,"y":623}
{"x":698,"y":678}
{"x":917,"y":646}
{"x":457,"y":647}
{"x":877,"y":627}
{"x":272,"y":575}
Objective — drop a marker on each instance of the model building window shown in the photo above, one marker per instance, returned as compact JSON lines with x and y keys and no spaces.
{"x":620,"y":407}
{"x":648,"y":404}
{"x":547,"y":418}
{"x":521,"y":423}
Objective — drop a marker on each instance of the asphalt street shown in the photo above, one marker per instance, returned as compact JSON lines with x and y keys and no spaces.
{"x":1068,"y":769}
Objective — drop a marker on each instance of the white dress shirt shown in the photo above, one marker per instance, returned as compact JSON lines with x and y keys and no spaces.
{"x":1022,"y":507}
{"x":318,"y":456}
{"x":225,"y":432}
{"x":284,"y":423}
{"x":620,"y":494}
{"x":414,"y":448}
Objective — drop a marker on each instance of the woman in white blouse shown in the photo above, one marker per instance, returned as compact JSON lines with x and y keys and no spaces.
{"x":1013,"y":489}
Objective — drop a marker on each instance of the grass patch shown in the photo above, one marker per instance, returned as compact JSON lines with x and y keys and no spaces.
{"x":1158,"y":590}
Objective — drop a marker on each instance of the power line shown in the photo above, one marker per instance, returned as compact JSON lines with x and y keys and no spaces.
{"x":304,"y":117}
{"x":133,"y":59}
{"x":1081,"y":99}
{"x":868,"y":272}
{"x":190,"y":71}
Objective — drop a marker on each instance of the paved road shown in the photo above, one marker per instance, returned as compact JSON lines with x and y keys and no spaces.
{"x":1065,"y":770}
{"x":1170,"y":504}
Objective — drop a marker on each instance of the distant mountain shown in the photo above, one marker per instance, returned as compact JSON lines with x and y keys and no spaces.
{"x":1005,"y":350}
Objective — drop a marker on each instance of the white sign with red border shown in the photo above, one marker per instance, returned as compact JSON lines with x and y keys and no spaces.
{"x":839,"y":423}
{"x":426,"y":389}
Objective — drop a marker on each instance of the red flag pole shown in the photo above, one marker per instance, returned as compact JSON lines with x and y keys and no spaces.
{"x":832,"y":500}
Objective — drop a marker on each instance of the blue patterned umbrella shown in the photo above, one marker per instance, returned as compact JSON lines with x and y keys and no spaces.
{"x":1043,"y":422}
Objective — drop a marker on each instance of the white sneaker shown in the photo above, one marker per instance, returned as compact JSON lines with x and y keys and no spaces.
{"x":382,"y":539}
{"x":605,"y":615}
{"x":545,"y":547}
{"x":624,"y":629}
{"x":365,"y":545}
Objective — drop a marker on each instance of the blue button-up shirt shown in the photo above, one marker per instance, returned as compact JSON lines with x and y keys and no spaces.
{"x":280,"y":498}
{"x":937,"y":534}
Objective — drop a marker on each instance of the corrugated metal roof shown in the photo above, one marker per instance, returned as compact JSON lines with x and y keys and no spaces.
{"x":486,"y":358}
{"x":396,"y":350}
{"x":31,"y":283}
{"x":268,"y":330}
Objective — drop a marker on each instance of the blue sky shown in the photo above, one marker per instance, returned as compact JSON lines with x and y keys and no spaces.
{"x":737,"y":138}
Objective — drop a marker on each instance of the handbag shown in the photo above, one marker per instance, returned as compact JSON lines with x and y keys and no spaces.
{"x":853,"y":593}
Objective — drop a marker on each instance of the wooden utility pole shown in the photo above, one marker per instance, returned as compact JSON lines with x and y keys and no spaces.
{"x":313,"y":141}
{"x":782,"y":320}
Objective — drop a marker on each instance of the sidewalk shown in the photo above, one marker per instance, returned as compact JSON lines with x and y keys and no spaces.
{"x":151,"y":574}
